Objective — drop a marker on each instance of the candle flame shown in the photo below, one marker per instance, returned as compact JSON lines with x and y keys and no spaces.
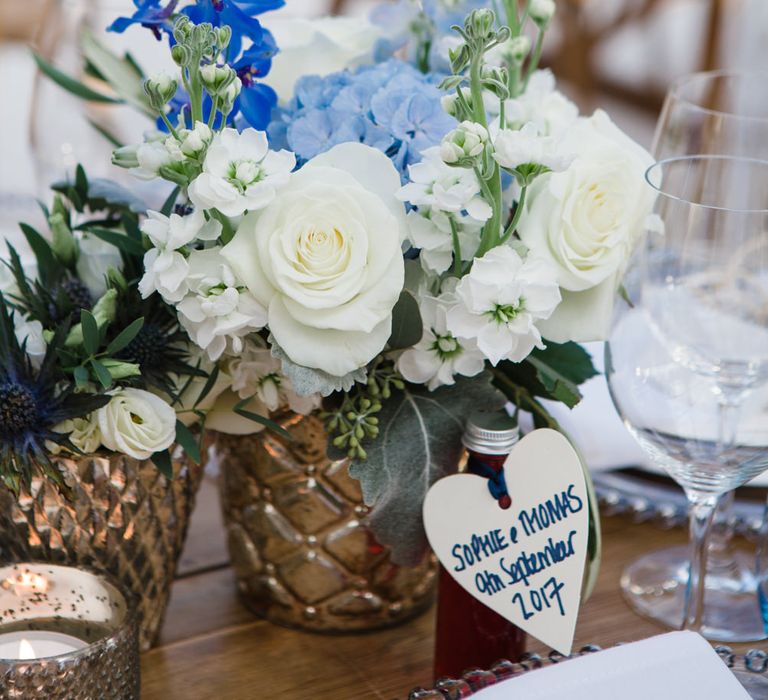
{"x":26,"y":650}
{"x":26,"y":583}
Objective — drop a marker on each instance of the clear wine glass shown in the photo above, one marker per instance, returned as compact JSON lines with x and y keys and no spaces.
{"x":687,"y":362}
{"x":719,"y":113}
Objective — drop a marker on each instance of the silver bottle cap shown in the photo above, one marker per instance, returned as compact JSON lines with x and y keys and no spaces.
{"x":491,"y":433}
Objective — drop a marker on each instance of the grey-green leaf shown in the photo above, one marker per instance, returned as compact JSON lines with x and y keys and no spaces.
{"x":419,"y":442}
{"x":407,"y":326}
{"x":71,"y":84}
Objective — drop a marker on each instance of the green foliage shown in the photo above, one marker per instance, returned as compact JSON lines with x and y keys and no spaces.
{"x":419,"y":442}
{"x":407,"y":327}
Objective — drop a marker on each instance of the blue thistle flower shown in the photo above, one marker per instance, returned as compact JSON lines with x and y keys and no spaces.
{"x":32,"y":403}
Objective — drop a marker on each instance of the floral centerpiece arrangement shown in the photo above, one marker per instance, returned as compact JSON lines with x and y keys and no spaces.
{"x":398,"y":244}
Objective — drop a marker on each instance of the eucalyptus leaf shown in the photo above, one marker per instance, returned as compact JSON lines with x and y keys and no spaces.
{"x":120,"y":73}
{"x":102,"y":373}
{"x":187,"y":440}
{"x":106,"y":133}
{"x":125,"y":336}
{"x":307,"y":381}
{"x":407,"y":327}
{"x":120,"y":240}
{"x":90,"y":332}
{"x":71,"y":84}
{"x":162,"y":460}
{"x":419,"y":442}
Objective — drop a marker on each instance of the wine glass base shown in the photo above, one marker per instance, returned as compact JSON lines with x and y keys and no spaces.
{"x":654,"y":586}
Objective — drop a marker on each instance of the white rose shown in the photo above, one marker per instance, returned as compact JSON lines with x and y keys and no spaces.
{"x":325,"y":258}
{"x":137,"y":423}
{"x":96,"y":257}
{"x":585,"y":221}
{"x":334,"y":43}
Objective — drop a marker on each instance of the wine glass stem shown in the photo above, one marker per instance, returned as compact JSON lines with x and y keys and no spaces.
{"x":701,"y":515}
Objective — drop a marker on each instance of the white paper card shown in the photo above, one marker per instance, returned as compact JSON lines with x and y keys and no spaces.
{"x":667,"y":667}
{"x":527,"y":562}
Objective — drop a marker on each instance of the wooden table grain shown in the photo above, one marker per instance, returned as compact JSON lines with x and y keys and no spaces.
{"x":212,"y":648}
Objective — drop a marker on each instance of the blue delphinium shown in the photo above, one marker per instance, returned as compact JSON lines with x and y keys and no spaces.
{"x":256,"y":100}
{"x":390,"y":106}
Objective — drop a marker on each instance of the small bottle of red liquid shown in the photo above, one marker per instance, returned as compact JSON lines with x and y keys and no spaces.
{"x":470,"y":634}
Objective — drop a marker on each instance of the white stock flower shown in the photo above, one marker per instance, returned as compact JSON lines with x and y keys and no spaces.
{"x":217,"y":313}
{"x":256,"y":374}
{"x":95,"y":258}
{"x":525,"y":146}
{"x":84,"y":433}
{"x":31,"y":332}
{"x":193,"y":141}
{"x":542,"y":104}
{"x":501,"y":302}
{"x":136,"y":423}
{"x":585,"y":221}
{"x":151,"y":155}
{"x":439,"y":355}
{"x":325,"y":258}
{"x":334,"y":43}
{"x":435,"y":184}
{"x":165,"y":268}
{"x":240,"y":173}
{"x":432,"y":235}
{"x":465,"y":141}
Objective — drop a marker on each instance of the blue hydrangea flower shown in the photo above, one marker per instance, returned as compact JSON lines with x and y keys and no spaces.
{"x":390,"y":106}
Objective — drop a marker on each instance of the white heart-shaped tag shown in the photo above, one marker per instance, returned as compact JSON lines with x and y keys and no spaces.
{"x":526,"y":562}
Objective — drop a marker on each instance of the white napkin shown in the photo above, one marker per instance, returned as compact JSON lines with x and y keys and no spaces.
{"x":667,"y":667}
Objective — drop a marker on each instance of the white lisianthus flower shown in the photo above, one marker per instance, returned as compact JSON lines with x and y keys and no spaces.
{"x":30,"y":332}
{"x":514,"y":148}
{"x":217,"y":313}
{"x":136,"y":423}
{"x":240,"y":173}
{"x":432,"y":235}
{"x":256,"y":374}
{"x":84,"y":433}
{"x":435,"y":184}
{"x":501,"y":302}
{"x":439,"y":355}
{"x":325,"y":258}
{"x":165,"y":267}
{"x":585,"y":221}
{"x":465,"y":141}
{"x":95,"y":258}
{"x":334,"y":43}
{"x":542,"y":104}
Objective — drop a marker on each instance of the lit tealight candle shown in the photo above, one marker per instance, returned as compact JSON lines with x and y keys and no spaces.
{"x":37,"y":644}
{"x":26,"y":583}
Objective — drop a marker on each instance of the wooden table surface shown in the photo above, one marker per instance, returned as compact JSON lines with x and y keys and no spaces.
{"x":212,"y":648}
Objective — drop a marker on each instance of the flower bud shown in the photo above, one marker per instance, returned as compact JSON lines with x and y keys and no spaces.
{"x":105,"y":309}
{"x":449,"y":103}
{"x":223,"y":36}
{"x":64,"y":245}
{"x":182,"y":28}
{"x":116,"y":280}
{"x":217,"y":79}
{"x":542,"y":11}
{"x":181,"y":55}
{"x":463,"y":144}
{"x":480,"y":23}
{"x":230,"y":95}
{"x":194,"y":142}
{"x":121,"y":370}
{"x":518,"y":48}
{"x":126,"y":157}
{"x":160,"y":89}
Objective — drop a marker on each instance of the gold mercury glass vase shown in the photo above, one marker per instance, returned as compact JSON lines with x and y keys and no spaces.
{"x":123,"y":517}
{"x":297,"y":537}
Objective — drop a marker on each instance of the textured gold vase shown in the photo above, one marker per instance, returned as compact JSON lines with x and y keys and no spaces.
{"x":299,"y":546}
{"x":123,"y":517}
